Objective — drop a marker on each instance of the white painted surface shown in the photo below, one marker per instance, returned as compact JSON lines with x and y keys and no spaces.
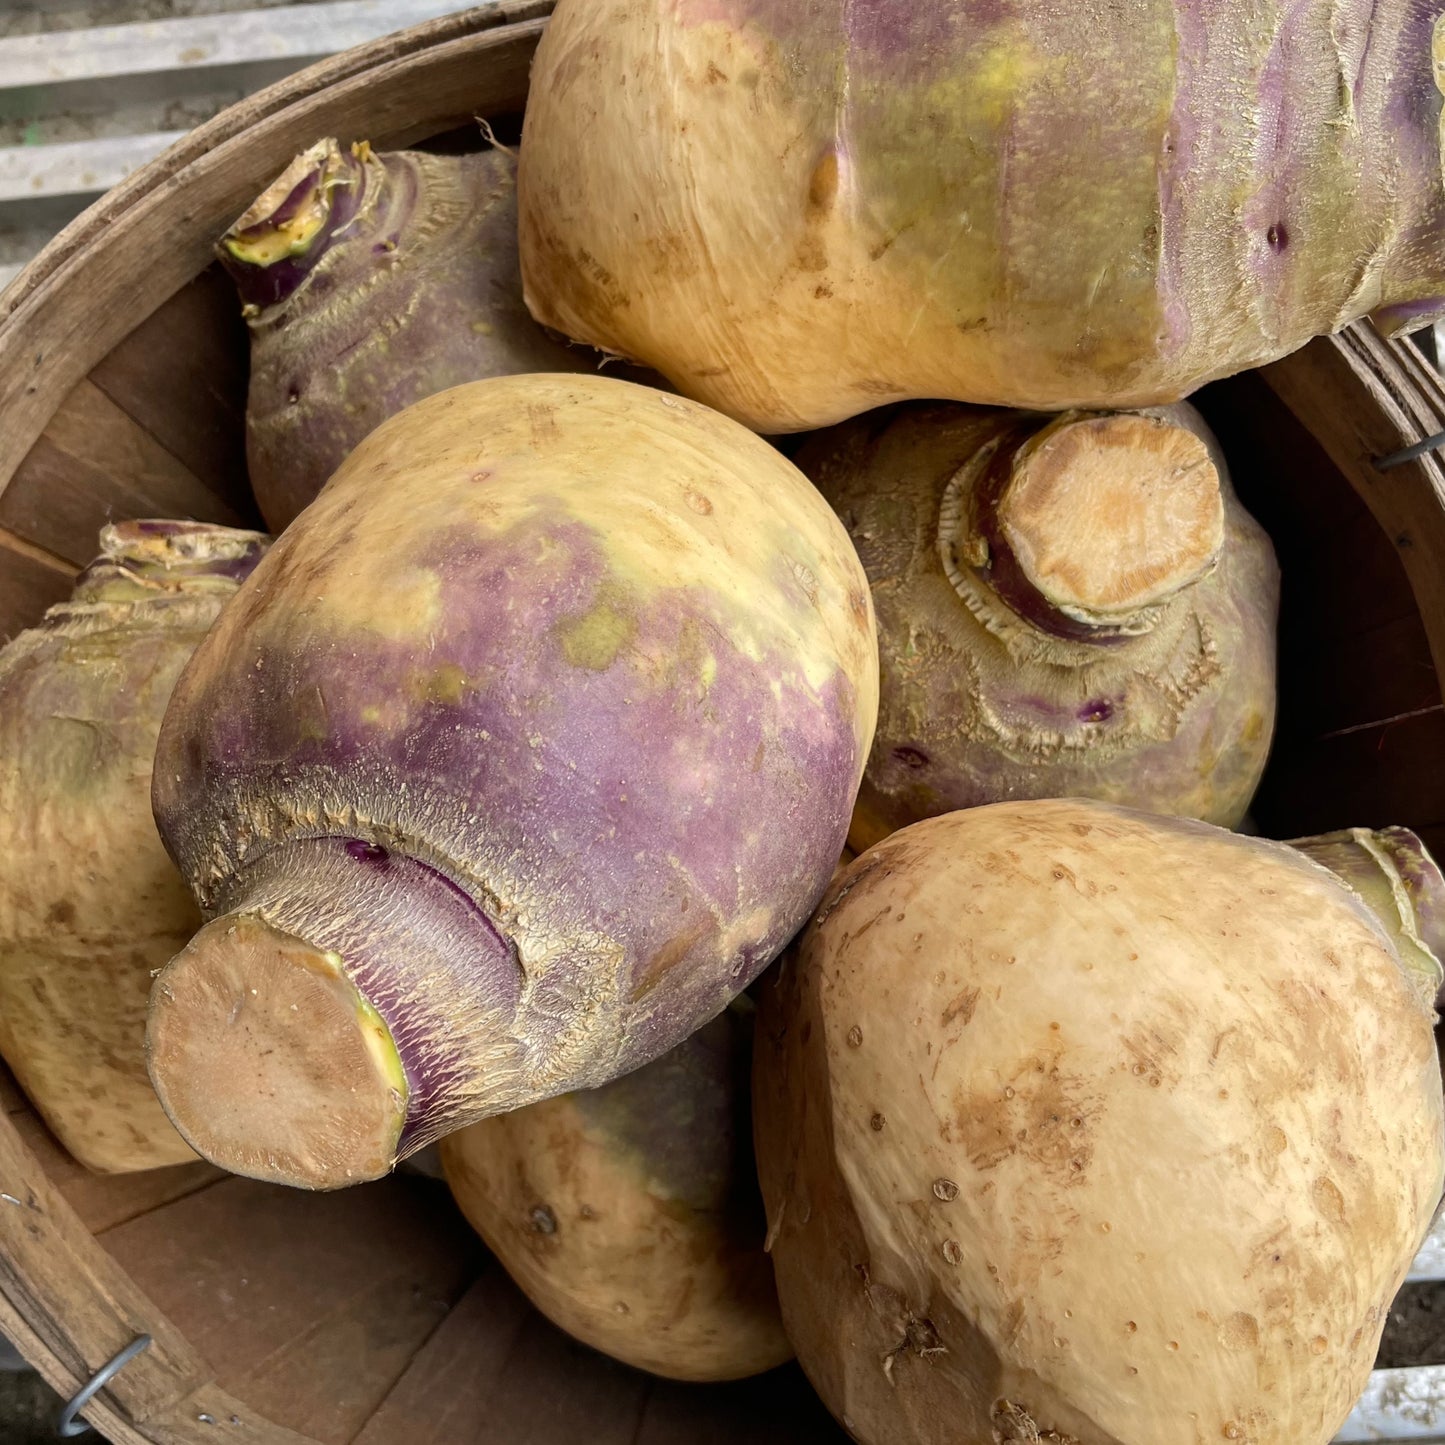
{"x":1399,"y":1405}
{"x":298,"y":32}
{"x":76,"y":168}
{"x":1430,"y":1262}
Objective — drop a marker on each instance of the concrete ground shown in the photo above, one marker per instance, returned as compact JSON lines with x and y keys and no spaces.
{"x":28,"y":1409}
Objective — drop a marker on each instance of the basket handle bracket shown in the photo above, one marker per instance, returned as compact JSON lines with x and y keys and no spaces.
{"x":67,"y":1426}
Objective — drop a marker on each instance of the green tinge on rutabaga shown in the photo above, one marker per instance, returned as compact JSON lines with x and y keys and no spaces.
{"x":371,"y":281}
{"x":1070,"y":607}
{"x":630,"y":1214}
{"x":1097,"y":1128}
{"x":1391,"y":870}
{"x":529,"y":744}
{"x":797,"y":210}
{"x":90,"y":906}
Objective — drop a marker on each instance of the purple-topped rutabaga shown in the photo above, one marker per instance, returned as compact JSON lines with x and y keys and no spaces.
{"x":370,"y":281}
{"x":90,"y":906}
{"x":798,"y":210}
{"x":1067,"y":607}
{"x":526,"y":749}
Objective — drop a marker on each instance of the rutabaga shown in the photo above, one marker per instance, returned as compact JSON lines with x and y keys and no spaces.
{"x":527,"y":747}
{"x":1096,"y":1128}
{"x":1076,"y":607}
{"x":370,"y":281}
{"x":630,"y":1214}
{"x":90,"y":906}
{"x":801,"y":209}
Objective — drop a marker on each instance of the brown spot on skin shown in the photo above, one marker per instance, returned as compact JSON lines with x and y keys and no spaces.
{"x":962,"y":1006}
{"x":542,"y":424}
{"x":669,"y":956}
{"x":61,"y":913}
{"x":823,"y":183}
{"x":1042,"y":1116}
{"x":812,"y":255}
{"x":1328,"y":1200}
{"x":714,"y":76}
{"x":699,"y":503}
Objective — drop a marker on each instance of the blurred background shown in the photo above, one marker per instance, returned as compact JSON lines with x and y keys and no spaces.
{"x":91,"y":91}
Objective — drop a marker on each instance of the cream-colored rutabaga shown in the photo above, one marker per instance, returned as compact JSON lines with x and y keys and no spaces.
{"x":800,"y":209}
{"x":630,"y":1214}
{"x":1094,"y":1128}
{"x":1067,"y":607}
{"x":90,"y":906}
{"x":526,"y":748}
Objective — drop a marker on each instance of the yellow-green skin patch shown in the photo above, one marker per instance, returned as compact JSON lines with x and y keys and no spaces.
{"x":797,"y":209}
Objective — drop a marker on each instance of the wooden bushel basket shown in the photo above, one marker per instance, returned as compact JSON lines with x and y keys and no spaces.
{"x":372,"y":1315}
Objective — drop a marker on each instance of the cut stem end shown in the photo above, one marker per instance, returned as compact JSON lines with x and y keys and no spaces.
{"x":271,"y":1063}
{"x":1109,"y":515}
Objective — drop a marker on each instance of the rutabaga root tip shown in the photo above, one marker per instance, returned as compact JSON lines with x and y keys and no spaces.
{"x":271,"y":1063}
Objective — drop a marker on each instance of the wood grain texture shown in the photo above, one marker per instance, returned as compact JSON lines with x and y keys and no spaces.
{"x":68,"y":1306}
{"x":92,"y":465}
{"x":30,"y":581}
{"x":102,"y":1201}
{"x":1362,"y":398}
{"x":475,"y":1380}
{"x":283,"y":1292}
{"x":445,"y":1396}
{"x":195,"y":346}
{"x":120,"y":261}
{"x":480,"y":1378}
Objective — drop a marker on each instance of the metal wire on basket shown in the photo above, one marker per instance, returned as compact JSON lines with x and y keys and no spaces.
{"x":68,"y":1426}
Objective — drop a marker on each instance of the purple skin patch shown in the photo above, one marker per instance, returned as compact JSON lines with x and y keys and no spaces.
{"x":600,"y":761}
